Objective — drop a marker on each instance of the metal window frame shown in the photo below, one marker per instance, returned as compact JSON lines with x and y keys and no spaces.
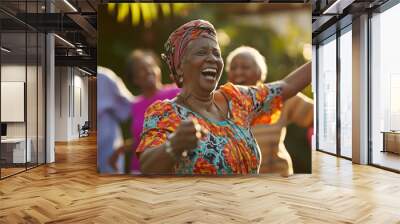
{"x":341,"y":29}
{"x":341,"y":32}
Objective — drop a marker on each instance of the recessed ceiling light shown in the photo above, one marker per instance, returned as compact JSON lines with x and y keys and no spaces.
{"x":65,"y":41}
{"x":84,"y":71}
{"x":5,"y":50}
{"x":70,"y":5}
{"x":338,"y":6}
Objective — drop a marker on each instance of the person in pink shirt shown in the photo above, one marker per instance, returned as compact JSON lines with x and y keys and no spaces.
{"x":143,"y":67}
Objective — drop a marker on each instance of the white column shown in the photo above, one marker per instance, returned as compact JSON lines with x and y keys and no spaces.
{"x":50,"y":93}
{"x":360,"y":90}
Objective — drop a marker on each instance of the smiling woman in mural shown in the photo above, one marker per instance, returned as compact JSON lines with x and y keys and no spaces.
{"x":205,"y":130}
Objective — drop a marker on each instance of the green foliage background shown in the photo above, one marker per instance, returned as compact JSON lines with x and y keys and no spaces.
{"x":244,"y":24}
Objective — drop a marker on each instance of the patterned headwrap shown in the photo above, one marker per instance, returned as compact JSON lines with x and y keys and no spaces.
{"x":179,"y":39}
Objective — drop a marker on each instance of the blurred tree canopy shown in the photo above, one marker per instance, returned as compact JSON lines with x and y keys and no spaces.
{"x":123,"y":27}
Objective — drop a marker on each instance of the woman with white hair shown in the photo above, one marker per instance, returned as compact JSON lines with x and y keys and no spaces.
{"x":246,"y":66}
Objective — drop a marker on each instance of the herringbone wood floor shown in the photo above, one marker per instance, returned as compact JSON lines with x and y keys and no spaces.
{"x":70,"y":191}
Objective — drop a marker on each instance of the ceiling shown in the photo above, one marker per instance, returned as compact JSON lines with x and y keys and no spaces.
{"x":72,"y":20}
{"x":330,"y":15}
{"x":76,"y":22}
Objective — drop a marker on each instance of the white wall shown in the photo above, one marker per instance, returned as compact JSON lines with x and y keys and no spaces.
{"x":71,"y":94}
{"x":61,"y":103}
{"x":33,"y":127}
{"x":14,"y":73}
{"x":80,"y":101}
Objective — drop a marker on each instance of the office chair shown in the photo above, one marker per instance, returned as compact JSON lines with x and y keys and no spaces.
{"x":84,"y":130}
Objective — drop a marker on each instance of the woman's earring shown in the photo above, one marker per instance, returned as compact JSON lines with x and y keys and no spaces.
{"x":180,"y":80}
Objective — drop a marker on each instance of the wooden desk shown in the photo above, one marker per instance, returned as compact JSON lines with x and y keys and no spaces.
{"x":391,"y":141}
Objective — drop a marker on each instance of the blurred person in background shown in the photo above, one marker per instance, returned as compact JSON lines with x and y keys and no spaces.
{"x":246,"y":66}
{"x":205,"y":129}
{"x":113,"y":107}
{"x":143,"y":68}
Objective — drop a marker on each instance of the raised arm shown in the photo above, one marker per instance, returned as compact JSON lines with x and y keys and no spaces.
{"x":296,"y":81}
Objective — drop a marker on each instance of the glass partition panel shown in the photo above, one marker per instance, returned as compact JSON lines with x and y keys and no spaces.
{"x":327,"y":96}
{"x":32,"y":98}
{"x":41,"y":98}
{"x":14,"y":153}
{"x":346,"y":94}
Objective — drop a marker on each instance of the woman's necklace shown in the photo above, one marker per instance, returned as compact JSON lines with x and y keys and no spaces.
{"x":184,"y":101}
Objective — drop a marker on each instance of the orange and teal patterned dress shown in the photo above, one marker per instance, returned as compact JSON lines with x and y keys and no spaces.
{"x":229,"y":147}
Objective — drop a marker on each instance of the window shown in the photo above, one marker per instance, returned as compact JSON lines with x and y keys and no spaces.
{"x":385,"y":88}
{"x":327,"y":96}
{"x":346,"y":93}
